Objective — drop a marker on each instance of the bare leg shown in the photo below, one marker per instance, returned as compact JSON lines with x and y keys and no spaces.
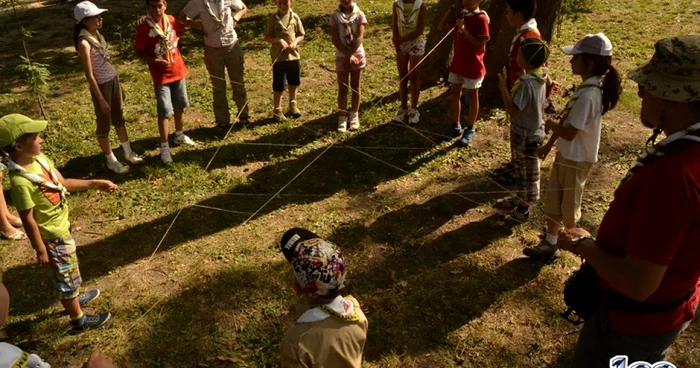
{"x":164,"y":128}
{"x":121,"y":133}
{"x":72,"y":306}
{"x":356,"y":92}
{"x":292,"y":92}
{"x":104,"y":145}
{"x":473,"y":107}
{"x":278,"y":100}
{"x":553,"y":225}
{"x":402,"y":63}
{"x":5,"y":225}
{"x":455,"y":96}
{"x":179,"y":124}
{"x":343,"y":93}
{"x":415,"y":80}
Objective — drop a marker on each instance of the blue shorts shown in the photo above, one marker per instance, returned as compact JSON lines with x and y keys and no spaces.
{"x":170,"y":97}
{"x":285,"y":72}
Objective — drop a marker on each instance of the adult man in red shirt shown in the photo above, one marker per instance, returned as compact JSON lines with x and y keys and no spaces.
{"x":156,"y":43}
{"x":647,"y":252}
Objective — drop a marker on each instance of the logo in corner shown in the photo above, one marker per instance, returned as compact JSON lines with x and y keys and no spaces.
{"x":622,"y":361}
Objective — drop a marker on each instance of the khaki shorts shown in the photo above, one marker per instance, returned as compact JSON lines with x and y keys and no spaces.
{"x":565,"y":189}
{"x":112,"y":92}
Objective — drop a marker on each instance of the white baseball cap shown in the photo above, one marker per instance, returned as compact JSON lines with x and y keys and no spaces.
{"x":86,"y":9}
{"x":596,"y":44}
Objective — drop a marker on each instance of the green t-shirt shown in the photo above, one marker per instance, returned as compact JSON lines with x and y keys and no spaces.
{"x":49,"y":214}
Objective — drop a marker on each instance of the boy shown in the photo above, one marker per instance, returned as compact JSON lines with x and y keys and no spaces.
{"x":222,"y":51}
{"x":284,"y":32}
{"x":408,"y":22}
{"x":39,"y":192}
{"x":156,"y":43}
{"x":524,"y":104}
{"x":467,"y":69}
{"x":332,"y":330}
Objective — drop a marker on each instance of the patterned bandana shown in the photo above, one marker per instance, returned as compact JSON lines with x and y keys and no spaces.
{"x":54,"y":184}
{"x":530,"y":26}
{"x":220,"y":16}
{"x":165,"y":36}
{"x":408,"y":16}
{"x":346,"y":23}
{"x":98,"y":42}
{"x":319,"y":267}
{"x":538,"y":74}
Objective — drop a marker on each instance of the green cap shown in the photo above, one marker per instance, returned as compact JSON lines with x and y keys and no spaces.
{"x":13,"y":126}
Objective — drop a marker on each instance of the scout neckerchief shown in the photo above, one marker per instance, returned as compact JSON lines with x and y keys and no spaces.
{"x":165,"y":34}
{"x":342,"y":309}
{"x":98,"y":42}
{"x":53,"y":184}
{"x":667,"y":146}
{"x":538,"y":74}
{"x":530,"y":26}
{"x":289,"y":23}
{"x":346,"y":23}
{"x":408,"y":18}
{"x":220,"y":14}
{"x":574,"y":98}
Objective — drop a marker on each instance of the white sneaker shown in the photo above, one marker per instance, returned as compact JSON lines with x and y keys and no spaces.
{"x":133,"y":158}
{"x":342,"y":124}
{"x":354,"y":121}
{"x":165,"y":156}
{"x":400,"y":116}
{"x":413,"y":116}
{"x":117,"y":167}
{"x":183,"y":139}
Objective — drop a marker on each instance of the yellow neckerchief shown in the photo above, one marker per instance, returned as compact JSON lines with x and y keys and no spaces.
{"x":289,"y":23}
{"x":98,"y":42}
{"x":219,"y":17}
{"x":354,"y":316}
{"x":53,"y":184}
{"x":347,"y":23}
{"x":164,"y":34}
{"x":408,"y":16}
{"x":22,"y":361}
{"x":532,"y":74}
{"x":530,"y":26}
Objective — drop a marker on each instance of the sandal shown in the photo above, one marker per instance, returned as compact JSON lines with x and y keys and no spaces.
{"x":16,"y":223}
{"x":18,"y":235}
{"x":508,"y":204}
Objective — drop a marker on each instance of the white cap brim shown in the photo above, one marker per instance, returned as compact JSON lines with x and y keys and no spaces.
{"x":571,"y":50}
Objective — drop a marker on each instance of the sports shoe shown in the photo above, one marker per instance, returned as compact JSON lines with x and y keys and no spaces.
{"x":354,"y":121}
{"x":505,"y":169}
{"x":520,"y":214}
{"x":85,"y":298}
{"x":342,"y":124}
{"x":452,"y":132}
{"x":294,"y":110}
{"x":165,"y":156}
{"x":467,"y":137}
{"x":544,"y":251}
{"x":278,"y":115}
{"x":508,"y":204}
{"x":117,"y":167}
{"x":400,"y":116}
{"x":413,"y":116}
{"x":90,"y":321}
{"x":133,"y":158}
{"x":183,"y":139}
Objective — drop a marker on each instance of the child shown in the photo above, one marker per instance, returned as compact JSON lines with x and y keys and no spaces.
{"x":524,"y":104}
{"x":332,"y":330}
{"x":156,"y":43}
{"x":407,"y":26}
{"x":284,"y":32}
{"x":222,"y":52}
{"x":520,"y":15}
{"x":39,"y":192}
{"x":577,"y":136}
{"x":467,"y":70}
{"x":105,"y":88}
{"x":348,"y":30}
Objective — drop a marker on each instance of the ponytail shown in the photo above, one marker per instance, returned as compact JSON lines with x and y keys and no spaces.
{"x":611,"y":84}
{"x":76,"y":33}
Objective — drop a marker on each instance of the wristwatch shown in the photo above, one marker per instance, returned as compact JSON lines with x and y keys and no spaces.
{"x":578,"y":240}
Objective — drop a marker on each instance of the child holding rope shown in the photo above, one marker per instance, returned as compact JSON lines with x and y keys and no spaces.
{"x":347,"y":31}
{"x":407,"y":26}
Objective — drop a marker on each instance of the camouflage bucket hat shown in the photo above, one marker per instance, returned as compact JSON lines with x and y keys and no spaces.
{"x":673,"y":73}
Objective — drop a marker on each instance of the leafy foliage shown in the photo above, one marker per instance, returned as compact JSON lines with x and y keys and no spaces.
{"x":35,"y":75}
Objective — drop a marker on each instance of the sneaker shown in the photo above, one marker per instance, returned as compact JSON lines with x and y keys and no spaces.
{"x":507,"y":204}
{"x":278,"y":115}
{"x":294,"y":110}
{"x":505,"y":169}
{"x":90,"y":321}
{"x":117,"y":167}
{"x":544,"y":251}
{"x":133,"y":158}
{"x":85,"y":298}
{"x":520,"y":214}
{"x":452,"y":132}
{"x":354,"y":121}
{"x":183,"y":139}
{"x":342,"y":124}
{"x":467,"y":137}
{"x":165,"y":156}
{"x":400,"y":116}
{"x":413,"y":116}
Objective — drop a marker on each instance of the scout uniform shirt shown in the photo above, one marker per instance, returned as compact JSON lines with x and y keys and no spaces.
{"x":217,"y":20}
{"x":287,"y":27}
{"x":159,"y":40}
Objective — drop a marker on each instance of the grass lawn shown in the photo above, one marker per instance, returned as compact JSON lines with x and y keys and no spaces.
{"x":187,"y":255}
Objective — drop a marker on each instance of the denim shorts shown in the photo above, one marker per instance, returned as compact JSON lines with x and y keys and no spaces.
{"x":284,"y":72}
{"x":171,"y":96}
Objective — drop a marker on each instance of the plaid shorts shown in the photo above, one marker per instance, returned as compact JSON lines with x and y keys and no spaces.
{"x":64,"y":263}
{"x":527,"y":166}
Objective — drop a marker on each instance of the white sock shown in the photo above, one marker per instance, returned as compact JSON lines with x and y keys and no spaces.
{"x":126,"y":146}
{"x":164,"y":146}
{"x":111,"y":158}
{"x":552,"y":239}
{"x":179,"y":133}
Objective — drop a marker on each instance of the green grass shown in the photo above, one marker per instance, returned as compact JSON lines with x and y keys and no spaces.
{"x":439,"y":275}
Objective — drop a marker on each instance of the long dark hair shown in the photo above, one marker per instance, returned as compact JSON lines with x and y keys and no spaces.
{"x":76,"y":32}
{"x":612,"y":83}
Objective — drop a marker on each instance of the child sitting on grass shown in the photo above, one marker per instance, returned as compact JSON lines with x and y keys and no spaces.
{"x":332,"y":330}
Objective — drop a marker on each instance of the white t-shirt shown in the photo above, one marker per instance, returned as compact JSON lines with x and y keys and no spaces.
{"x":352,"y":20}
{"x":217,"y":34}
{"x":586,"y":115}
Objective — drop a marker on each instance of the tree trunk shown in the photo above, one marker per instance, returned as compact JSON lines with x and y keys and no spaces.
{"x":435,"y":67}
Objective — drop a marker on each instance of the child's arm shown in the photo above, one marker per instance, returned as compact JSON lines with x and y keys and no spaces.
{"x":240,"y":13}
{"x":559,"y":130}
{"x":446,"y":19}
{"x":299,"y":34}
{"x":34,"y":236}
{"x":335,"y":38}
{"x":358,"y":40}
{"x":79,"y":185}
{"x":482,"y":33}
{"x":140,"y":46}
{"x":84,"y":53}
{"x":422,"y":16}
{"x":512,"y":110}
{"x":395,"y":37}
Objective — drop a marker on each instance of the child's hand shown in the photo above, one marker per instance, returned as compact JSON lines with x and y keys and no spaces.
{"x":105,"y":186}
{"x":97,"y":360}
{"x":42,"y":257}
{"x":502,"y":77}
{"x":104,"y":106}
{"x":161,"y":63}
{"x":543,"y":151}
{"x":396,"y":40}
{"x":549,"y":125}
{"x":354,"y":60}
{"x":284,"y":44}
{"x":293,"y":45}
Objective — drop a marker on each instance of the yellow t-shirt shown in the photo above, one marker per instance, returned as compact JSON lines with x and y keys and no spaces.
{"x":288,"y":28}
{"x":50,"y":215}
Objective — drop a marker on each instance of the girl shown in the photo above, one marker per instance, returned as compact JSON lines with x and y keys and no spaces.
{"x":407,"y":26}
{"x":105,"y":89}
{"x":577,"y":136}
{"x":348,"y":30}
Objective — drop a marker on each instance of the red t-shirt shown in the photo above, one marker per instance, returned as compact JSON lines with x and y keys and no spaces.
{"x":467,"y":60}
{"x":655,"y":216}
{"x":514,"y":70}
{"x":148,"y":41}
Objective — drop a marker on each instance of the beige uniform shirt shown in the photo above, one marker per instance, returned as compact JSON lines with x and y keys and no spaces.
{"x":288,"y":28}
